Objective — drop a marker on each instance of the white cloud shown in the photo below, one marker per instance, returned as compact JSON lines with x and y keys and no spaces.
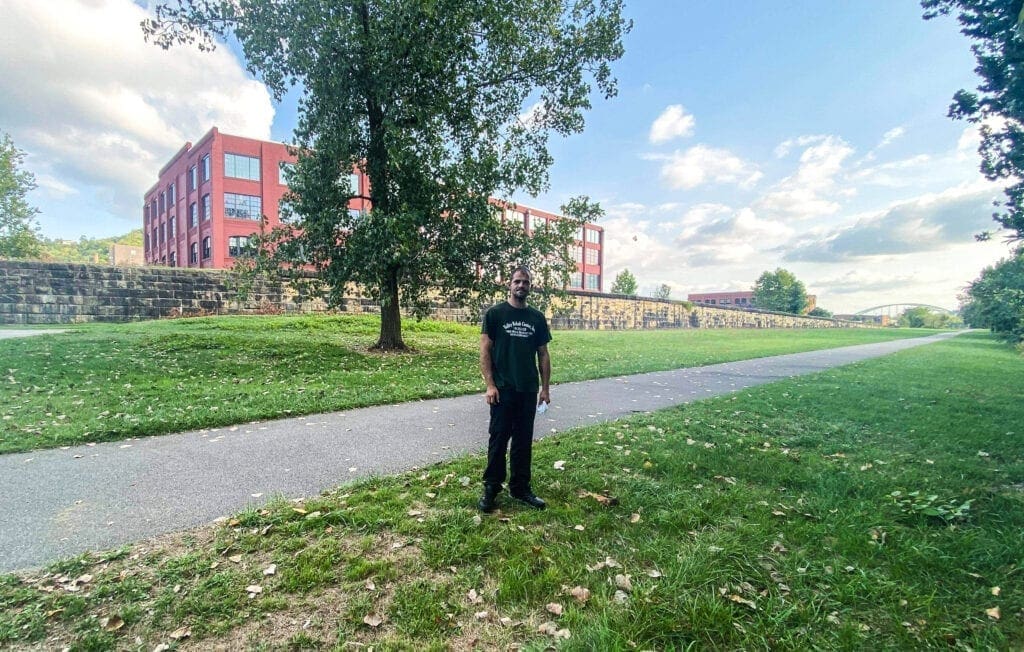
{"x":891,"y":135}
{"x":932,"y":222}
{"x":94,"y":104}
{"x":674,"y":122}
{"x":812,"y":191}
{"x":702,"y":164}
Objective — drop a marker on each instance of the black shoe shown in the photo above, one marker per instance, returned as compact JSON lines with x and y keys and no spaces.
{"x":530,"y":499}
{"x":489,"y":500}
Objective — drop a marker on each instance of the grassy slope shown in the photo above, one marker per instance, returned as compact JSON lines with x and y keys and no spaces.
{"x":110,"y":382}
{"x":763,"y":519}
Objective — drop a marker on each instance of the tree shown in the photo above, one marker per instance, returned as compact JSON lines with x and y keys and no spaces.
{"x":996,"y":28}
{"x":625,"y":283}
{"x":780,"y":290}
{"x":995,"y":300}
{"x":664,"y":291}
{"x":18,"y":230}
{"x":427,"y":97}
{"x":820,"y":312}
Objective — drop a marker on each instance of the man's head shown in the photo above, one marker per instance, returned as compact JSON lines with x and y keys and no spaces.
{"x":519,"y":286}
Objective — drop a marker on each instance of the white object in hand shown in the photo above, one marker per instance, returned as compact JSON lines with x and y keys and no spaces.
{"x":542,"y":408}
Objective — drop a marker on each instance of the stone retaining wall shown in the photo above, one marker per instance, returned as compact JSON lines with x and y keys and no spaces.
{"x":62,"y":293}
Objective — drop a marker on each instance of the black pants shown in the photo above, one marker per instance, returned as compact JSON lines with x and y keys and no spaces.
{"x":511,"y":420}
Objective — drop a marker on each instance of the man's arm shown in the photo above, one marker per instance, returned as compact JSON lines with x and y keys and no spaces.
{"x":544,"y":363}
{"x":487,"y":370}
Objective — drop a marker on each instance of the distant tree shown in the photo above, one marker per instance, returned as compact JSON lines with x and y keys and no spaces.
{"x":780,"y":290}
{"x":996,"y":28}
{"x":625,"y":283}
{"x":924,"y":317}
{"x":664,"y":291}
{"x":429,"y":99}
{"x":85,"y":250}
{"x":19,"y":233}
{"x":995,"y":300}
{"x":820,"y":312}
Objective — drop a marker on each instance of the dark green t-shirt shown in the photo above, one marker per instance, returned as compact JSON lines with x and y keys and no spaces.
{"x":516,"y":334}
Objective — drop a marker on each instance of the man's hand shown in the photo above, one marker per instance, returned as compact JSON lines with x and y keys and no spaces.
{"x":544,"y":396}
{"x":491,"y":395}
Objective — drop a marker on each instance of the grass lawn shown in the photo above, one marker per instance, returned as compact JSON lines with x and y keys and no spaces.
{"x":110,"y":382}
{"x":875,"y":506}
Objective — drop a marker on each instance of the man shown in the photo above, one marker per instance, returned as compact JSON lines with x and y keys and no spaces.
{"x":513,"y":345}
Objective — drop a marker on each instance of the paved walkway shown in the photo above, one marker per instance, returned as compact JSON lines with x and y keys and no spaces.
{"x":57,"y":503}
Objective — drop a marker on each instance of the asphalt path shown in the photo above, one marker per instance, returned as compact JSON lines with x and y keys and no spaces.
{"x":58,"y":503}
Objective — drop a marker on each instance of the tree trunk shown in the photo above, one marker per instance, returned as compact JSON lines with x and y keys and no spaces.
{"x":390,"y":318}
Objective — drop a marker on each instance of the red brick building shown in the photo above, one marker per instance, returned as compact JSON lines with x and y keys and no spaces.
{"x":211,"y":197}
{"x":736,"y":299}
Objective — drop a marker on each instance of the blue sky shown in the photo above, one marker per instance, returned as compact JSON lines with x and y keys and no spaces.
{"x":748,"y":135}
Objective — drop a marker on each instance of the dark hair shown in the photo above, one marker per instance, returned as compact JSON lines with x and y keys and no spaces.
{"x":521,"y":268}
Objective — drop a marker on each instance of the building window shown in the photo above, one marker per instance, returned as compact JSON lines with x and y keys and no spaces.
{"x":145,"y":213}
{"x":193,"y":253}
{"x":520,"y":218}
{"x":171,"y":196}
{"x":242,"y":207}
{"x":172,"y":260}
{"x":593,"y":236}
{"x":147,"y":241}
{"x":152,"y":212}
{"x":193,"y":178}
{"x":206,"y":167}
{"x":355,"y":213}
{"x":238,"y":245}
{"x":577,"y":255}
{"x":592,"y":256}
{"x":172,"y":228}
{"x":206,"y":208}
{"x":163,"y":232}
{"x":576,"y":280}
{"x":579,"y":234}
{"x":163,"y":202}
{"x":537,"y":222}
{"x":206,"y":248}
{"x":285,"y":172}
{"x":193,"y":215}
{"x":353,"y":184}
{"x":593,"y":282}
{"x":237,"y":166}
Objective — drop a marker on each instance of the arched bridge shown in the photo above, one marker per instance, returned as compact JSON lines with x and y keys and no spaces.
{"x":896,"y":309}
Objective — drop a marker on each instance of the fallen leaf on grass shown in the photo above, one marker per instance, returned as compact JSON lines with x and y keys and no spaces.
{"x":551,"y":629}
{"x":560,"y":465}
{"x":623,"y":582}
{"x":993,"y":613}
{"x":607,"y":501}
{"x":995,"y":590}
{"x":474,"y":597}
{"x":373,"y":620}
{"x":299,"y":510}
{"x":270,"y":570}
{"x":414,"y":512}
{"x":634,"y":518}
{"x":112,"y":623}
{"x":581,"y":594}
{"x":253,"y":590}
{"x":621,"y":597}
{"x":235,"y":558}
{"x":482,"y":615}
{"x":579,"y":528}
{"x":370,"y":586}
{"x":181,"y":632}
{"x":725,"y":479}
{"x":554,"y":608}
{"x":654,"y":572}
{"x":743,"y":601}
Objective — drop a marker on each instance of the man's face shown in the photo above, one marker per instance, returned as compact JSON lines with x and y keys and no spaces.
{"x":520,"y":286}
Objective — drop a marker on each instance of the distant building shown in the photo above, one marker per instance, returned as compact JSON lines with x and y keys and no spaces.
{"x":740,"y":299}
{"x":211,"y":197}
{"x":127,"y":255}
{"x":737,"y":299}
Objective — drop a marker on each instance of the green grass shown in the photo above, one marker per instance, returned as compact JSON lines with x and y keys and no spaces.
{"x":764,"y":519}
{"x":112,"y":382}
